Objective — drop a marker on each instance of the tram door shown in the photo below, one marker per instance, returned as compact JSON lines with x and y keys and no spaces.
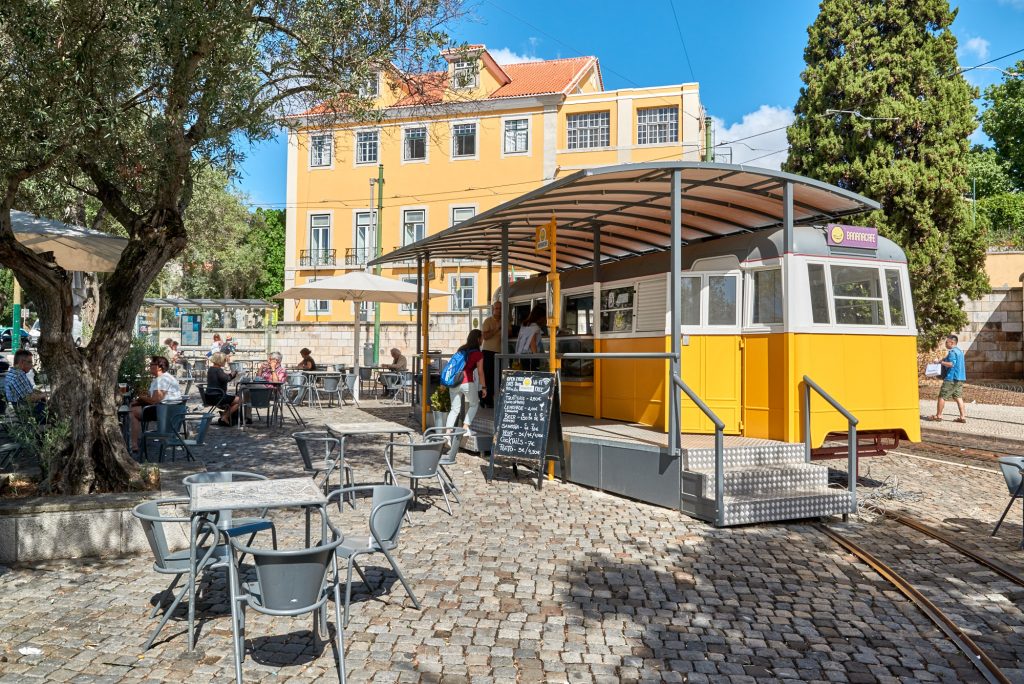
{"x":712,"y":358}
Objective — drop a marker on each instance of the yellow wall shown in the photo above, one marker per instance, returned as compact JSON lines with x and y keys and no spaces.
{"x":634,"y":389}
{"x":764,"y":386}
{"x":1004,"y":269}
{"x":711,"y":367}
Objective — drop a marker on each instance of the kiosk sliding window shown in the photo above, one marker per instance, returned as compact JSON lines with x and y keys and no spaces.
{"x":691,"y":300}
{"x":858,"y":295}
{"x":617,"y":309}
{"x":766,"y":308}
{"x":578,"y":314}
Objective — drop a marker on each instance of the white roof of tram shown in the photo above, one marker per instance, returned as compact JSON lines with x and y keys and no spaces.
{"x":632,"y":205}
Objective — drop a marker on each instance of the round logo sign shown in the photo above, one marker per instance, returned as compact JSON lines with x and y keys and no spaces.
{"x":837,"y":234}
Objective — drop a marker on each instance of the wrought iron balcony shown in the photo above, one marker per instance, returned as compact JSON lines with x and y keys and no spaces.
{"x":317,"y":257}
{"x":358,"y":256}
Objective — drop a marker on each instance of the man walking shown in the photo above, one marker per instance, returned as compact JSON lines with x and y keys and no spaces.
{"x":953,"y":377}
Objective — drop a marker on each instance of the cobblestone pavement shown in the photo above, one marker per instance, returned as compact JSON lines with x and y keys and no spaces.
{"x":561,"y":585}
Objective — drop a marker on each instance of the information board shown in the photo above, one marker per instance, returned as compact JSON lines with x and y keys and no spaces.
{"x":528,"y":422}
{"x":191,"y":330}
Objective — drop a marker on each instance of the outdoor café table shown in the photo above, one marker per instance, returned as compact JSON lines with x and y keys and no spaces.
{"x":345,"y":430}
{"x":207,"y":498}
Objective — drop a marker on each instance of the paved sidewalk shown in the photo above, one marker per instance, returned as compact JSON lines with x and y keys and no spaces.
{"x":561,"y":585}
{"x":989,"y":420}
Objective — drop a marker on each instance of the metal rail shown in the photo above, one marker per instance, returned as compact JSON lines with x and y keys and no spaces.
{"x":851,"y":464}
{"x":988,"y":669}
{"x":719,"y":448}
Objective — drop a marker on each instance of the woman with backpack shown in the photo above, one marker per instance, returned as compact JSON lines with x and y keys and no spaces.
{"x":462,"y":385}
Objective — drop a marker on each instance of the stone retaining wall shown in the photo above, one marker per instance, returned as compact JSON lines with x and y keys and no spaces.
{"x":992,"y":339}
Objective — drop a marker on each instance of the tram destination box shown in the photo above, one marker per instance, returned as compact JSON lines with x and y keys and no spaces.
{"x":527,"y":423}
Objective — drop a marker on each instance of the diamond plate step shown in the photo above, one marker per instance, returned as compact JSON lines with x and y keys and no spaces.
{"x":768,"y":507}
{"x":744,"y":456}
{"x":781,"y":478}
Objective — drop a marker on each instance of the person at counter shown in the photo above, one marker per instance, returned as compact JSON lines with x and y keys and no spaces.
{"x":307,"y":363}
{"x":529,"y":340}
{"x":491,"y":346}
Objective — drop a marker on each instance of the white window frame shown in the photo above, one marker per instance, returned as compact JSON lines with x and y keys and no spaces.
{"x":460,"y":69}
{"x":644,"y":128}
{"x":371,"y":233}
{"x":328,"y":229}
{"x":476,"y":140}
{"x":365,"y":91}
{"x":834,"y":325}
{"x":406,"y":210}
{"x":455,"y":281}
{"x":365,"y":307}
{"x":452,"y":208}
{"x":883,"y":296}
{"x":410,"y":307}
{"x":705,"y":328}
{"x":748,"y":297}
{"x":355,"y":157}
{"x":426,"y":145}
{"x":505,"y":121}
{"x":317,"y":306}
{"x":599,"y":308}
{"x":327,"y":163}
{"x":580,"y":116}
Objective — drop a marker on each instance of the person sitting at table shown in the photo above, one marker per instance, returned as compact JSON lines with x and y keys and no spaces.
{"x":18,"y":388}
{"x":272,"y":369}
{"x":400,"y":364}
{"x":217,"y":379}
{"x":307,"y":363}
{"x":164,"y":389}
{"x":229,"y":347}
{"x":215,"y":345}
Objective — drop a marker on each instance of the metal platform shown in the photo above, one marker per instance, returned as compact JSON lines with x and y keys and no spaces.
{"x":765,"y":480}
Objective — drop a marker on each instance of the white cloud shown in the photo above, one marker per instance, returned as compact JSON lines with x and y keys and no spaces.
{"x":1015,"y":4}
{"x":768,"y":150}
{"x":976,"y":46}
{"x":507,"y":56}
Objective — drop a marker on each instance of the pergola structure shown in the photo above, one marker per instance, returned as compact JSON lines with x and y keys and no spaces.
{"x":616,"y":212}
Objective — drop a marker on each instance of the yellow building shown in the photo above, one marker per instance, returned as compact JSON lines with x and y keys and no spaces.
{"x":456,"y":144}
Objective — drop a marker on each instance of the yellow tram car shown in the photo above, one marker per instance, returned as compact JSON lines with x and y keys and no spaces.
{"x":755,"y":321}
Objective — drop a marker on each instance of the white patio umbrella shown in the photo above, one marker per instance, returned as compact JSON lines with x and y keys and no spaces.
{"x":358,"y":287}
{"x":74,"y":248}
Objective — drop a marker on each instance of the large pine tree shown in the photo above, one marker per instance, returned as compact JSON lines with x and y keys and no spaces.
{"x":896,"y":59}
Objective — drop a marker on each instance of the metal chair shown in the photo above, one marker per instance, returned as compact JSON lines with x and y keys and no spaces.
{"x":349,"y":387}
{"x":407,"y":388}
{"x":169,"y":419}
{"x":174,"y":563}
{"x":452,"y":437}
{"x":228,"y":524}
{"x":307,"y":441}
{"x":392,"y":385}
{"x":1013,"y":473}
{"x":424,"y":464}
{"x":295,"y":390}
{"x":331,"y":386}
{"x":387,"y":508}
{"x":211,"y":398}
{"x":255,"y":397}
{"x":200,"y":423}
{"x":289,"y":583}
{"x":366,"y":378}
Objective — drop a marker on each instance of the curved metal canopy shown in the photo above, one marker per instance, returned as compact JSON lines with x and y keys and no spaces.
{"x":631,"y":205}
{"x":199,"y":303}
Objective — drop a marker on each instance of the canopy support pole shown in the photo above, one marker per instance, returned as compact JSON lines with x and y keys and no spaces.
{"x":505,"y":322}
{"x":675,"y":297}
{"x":596,"y":324}
{"x":357,"y":324}
{"x":490,"y":284}
{"x":421,"y":290}
{"x":425,"y":328}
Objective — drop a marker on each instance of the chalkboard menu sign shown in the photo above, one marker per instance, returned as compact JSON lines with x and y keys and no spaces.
{"x":527,"y":423}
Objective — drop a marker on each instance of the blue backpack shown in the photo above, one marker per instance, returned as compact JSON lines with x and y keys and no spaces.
{"x":454,"y":371}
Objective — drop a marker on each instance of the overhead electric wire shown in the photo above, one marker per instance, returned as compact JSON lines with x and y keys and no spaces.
{"x":1009,"y":54}
{"x":752,"y":135}
{"x":679,"y":30}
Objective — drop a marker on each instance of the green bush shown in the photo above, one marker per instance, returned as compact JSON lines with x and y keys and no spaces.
{"x":135,"y":365}
{"x":441,"y":400}
{"x":43,"y":441}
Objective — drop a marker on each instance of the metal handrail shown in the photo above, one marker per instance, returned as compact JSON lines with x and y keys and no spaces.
{"x":851,"y":449}
{"x":719,"y":448}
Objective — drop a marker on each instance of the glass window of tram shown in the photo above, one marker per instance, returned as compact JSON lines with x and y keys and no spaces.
{"x":722,"y":300}
{"x":767,"y":293}
{"x":578,"y":316}
{"x":858,"y":295}
{"x":691,"y":300}
{"x":819,"y":293}
{"x":895,"y":292}
{"x":617,"y":309}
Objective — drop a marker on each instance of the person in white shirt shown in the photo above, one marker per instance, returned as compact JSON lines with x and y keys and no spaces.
{"x":163,"y":390}
{"x":216,"y":345}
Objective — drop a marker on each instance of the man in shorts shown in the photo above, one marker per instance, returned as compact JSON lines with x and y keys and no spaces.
{"x":953,"y":377}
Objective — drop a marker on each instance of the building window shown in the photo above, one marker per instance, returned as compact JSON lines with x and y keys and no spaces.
{"x":657,"y":125}
{"x":415,"y":148}
{"x":767,"y":297}
{"x":617,"y":309}
{"x":362,"y":247}
{"x":465,"y":73}
{"x":317,"y":306}
{"x":370,"y":87}
{"x":588,"y":130}
{"x":413,"y":226}
{"x":464,"y":140}
{"x":366,"y":147}
{"x":463,"y":289}
{"x":320,"y":149}
{"x":460,"y":214}
{"x":319,"y":234}
{"x":857,"y":295}
{"x":517,"y":136}
{"x":411,"y":307}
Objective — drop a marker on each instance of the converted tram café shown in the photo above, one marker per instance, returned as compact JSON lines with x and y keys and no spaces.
{"x":734,"y":285}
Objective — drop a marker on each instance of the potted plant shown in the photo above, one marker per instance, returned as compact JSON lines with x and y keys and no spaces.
{"x":440,"y":405}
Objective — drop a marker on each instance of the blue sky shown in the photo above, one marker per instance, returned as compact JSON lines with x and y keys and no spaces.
{"x":746,"y":54}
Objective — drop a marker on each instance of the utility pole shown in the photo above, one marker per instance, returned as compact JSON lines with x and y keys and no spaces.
{"x":709,"y":150}
{"x":378,"y":252}
{"x":16,"y":326}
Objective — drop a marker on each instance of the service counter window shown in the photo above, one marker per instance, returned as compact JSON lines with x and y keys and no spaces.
{"x":578,"y":314}
{"x":766,"y":293}
{"x":617,"y":309}
{"x":576,"y":370}
{"x":858,"y":295}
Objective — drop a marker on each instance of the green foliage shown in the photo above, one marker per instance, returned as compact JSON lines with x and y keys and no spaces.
{"x":1003,"y":121}
{"x":266,"y":237}
{"x":43,"y":441}
{"x":987,"y":173}
{"x":896,"y":59}
{"x":441,"y":400}
{"x":135,"y":364}
{"x":1004,"y":216}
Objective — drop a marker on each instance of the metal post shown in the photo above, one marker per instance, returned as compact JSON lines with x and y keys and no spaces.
{"x":596,"y":231}
{"x":504,"y":303}
{"x":16,"y":325}
{"x":675,"y":295}
{"x":851,"y":465}
{"x":787,"y":217}
{"x":709,"y":148}
{"x":807,"y":423}
{"x":490,"y":285}
{"x":425,"y":331}
{"x":378,"y":251}
{"x":420,"y":292}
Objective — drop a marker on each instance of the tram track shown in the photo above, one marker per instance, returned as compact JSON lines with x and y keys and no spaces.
{"x":978,"y":656}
